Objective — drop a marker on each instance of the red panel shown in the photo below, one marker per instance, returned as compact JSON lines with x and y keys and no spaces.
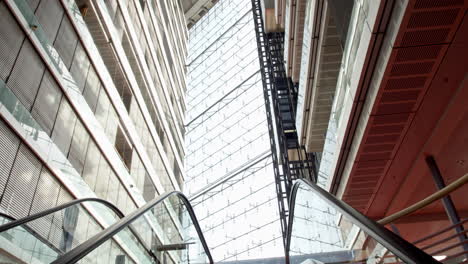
{"x":431,"y":132}
{"x":406,"y":111}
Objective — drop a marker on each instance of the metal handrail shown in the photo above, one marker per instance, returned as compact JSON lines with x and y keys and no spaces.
{"x":9,"y":217}
{"x":88,"y":246}
{"x":34,"y":233}
{"x":444,"y":240}
{"x":446,"y":229}
{"x":440,"y":241}
{"x":458,"y":183}
{"x":17,"y":222}
{"x":33,"y":217}
{"x":397,"y":245}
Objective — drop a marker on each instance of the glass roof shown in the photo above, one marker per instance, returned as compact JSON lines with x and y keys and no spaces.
{"x":229,"y":172}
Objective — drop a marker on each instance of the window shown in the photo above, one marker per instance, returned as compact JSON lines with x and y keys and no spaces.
{"x":124,"y":147}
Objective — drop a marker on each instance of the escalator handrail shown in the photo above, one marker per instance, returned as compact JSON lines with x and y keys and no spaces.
{"x":94,"y":242}
{"x":397,"y":245}
{"x":9,"y":217}
{"x":18,"y":222}
{"x":33,"y":217}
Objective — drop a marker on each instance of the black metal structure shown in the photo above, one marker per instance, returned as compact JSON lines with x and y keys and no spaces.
{"x":88,"y":246}
{"x":290,"y":160}
{"x":447,"y":201}
{"x":402,"y":249}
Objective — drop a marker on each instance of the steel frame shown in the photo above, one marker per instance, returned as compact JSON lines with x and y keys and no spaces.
{"x":447,"y":201}
{"x":280,"y":100}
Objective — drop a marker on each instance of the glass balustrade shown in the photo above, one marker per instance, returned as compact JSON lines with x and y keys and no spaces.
{"x":142,"y":243}
{"x":326,"y":230}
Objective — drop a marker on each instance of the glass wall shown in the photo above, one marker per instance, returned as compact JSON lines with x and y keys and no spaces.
{"x":87,"y":111}
{"x":229,"y":171}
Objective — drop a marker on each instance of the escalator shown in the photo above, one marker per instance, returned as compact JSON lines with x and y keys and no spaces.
{"x":323,"y":229}
{"x":42,"y":237}
{"x":164,"y":230}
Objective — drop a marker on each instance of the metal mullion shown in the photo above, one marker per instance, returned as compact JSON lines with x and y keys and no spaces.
{"x":170,"y":76}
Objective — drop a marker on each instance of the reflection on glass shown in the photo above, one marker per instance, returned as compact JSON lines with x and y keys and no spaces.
{"x":31,"y":248}
{"x":320,"y":234}
{"x":177,"y":246}
{"x":43,"y":240}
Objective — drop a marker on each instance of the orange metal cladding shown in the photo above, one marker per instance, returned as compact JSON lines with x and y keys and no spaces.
{"x":421,"y":109}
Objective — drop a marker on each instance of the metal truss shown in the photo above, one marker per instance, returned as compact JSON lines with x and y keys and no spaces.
{"x":290,"y":160}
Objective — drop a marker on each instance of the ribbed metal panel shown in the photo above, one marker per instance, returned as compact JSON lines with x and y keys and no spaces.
{"x":65,"y":42}
{"x":91,"y":166}
{"x":77,"y":154}
{"x":436,"y":3}
{"x":421,"y":44}
{"x":10,"y":144}
{"x":49,"y":14}
{"x":19,"y":191}
{"x":92,"y":87}
{"x":80,"y":66}
{"x":26,"y":75}
{"x":64,"y":125}
{"x":11,"y":37}
{"x":45,"y":197}
{"x":47,"y":103}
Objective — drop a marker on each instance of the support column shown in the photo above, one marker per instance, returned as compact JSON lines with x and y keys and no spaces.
{"x":447,"y":200}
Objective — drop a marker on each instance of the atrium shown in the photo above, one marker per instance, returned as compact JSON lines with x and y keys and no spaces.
{"x":233,"y":131}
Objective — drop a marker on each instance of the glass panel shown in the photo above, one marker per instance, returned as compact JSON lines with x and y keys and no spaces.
{"x":31,"y":249}
{"x":227,"y":141}
{"x":171,"y":242}
{"x":45,"y":239}
{"x":321,"y":234}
